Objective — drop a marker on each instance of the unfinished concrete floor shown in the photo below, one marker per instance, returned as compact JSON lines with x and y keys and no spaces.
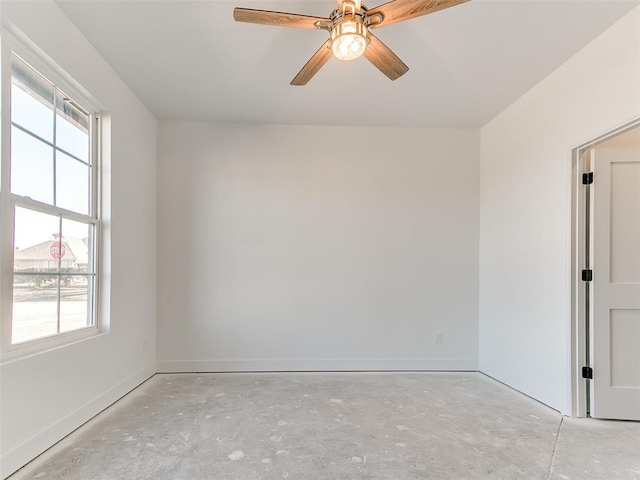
{"x":337,"y":426}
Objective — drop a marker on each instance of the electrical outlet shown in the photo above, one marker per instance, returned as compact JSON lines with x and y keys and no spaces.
{"x":438,"y":338}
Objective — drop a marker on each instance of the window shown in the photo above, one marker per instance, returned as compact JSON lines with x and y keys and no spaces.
{"x":49,"y":197}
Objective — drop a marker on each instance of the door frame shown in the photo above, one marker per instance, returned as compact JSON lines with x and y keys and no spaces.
{"x":581,"y":258}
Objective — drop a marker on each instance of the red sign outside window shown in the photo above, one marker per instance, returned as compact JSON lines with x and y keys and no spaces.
{"x":57,"y":249}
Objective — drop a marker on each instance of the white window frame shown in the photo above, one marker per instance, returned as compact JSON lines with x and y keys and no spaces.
{"x":9,"y":44}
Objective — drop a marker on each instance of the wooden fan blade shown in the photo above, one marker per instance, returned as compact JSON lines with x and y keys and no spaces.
{"x":314,"y":64}
{"x":384,"y":59}
{"x":401,"y":10}
{"x":279,"y":19}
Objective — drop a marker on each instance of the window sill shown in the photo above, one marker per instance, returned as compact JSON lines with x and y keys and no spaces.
{"x":39,"y":346}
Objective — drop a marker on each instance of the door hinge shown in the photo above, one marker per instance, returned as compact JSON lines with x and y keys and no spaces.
{"x":587,"y":275}
{"x":587,"y":372}
{"x":587,"y":178}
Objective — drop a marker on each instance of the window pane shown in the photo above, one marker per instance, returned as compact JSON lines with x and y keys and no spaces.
{"x":37,"y":245}
{"x":77,"y":237}
{"x":31,"y":167}
{"x":35,"y":307}
{"x":74,"y":302}
{"x":72,"y":128}
{"x":72,"y":184}
{"x":31,"y":100}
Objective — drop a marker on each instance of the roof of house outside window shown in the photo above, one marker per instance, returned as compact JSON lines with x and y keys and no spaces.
{"x":75,"y":250}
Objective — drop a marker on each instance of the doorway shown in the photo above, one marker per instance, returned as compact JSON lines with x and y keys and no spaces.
{"x":606,"y":273}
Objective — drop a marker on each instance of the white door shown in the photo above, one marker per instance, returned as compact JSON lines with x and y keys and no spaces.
{"x":615,"y":389}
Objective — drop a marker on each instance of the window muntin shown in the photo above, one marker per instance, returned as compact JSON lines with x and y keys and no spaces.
{"x":53,"y":186}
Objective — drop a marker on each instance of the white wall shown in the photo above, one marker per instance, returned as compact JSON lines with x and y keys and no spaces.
{"x":288,"y":248}
{"x":45,"y":396}
{"x":525,"y":235}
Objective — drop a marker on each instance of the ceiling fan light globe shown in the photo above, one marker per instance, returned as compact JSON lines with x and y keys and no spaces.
{"x":349,"y":40}
{"x":348,"y":47}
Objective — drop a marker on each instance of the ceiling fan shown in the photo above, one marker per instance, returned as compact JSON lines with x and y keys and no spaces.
{"x":349,"y":28}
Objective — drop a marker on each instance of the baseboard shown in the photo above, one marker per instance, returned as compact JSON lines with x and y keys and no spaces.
{"x":525,"y":389}
{"x":319,"y":365}
{"x":19,"y":456}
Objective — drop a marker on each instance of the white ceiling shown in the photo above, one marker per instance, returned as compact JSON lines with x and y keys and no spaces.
{"x":189,"y":60}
